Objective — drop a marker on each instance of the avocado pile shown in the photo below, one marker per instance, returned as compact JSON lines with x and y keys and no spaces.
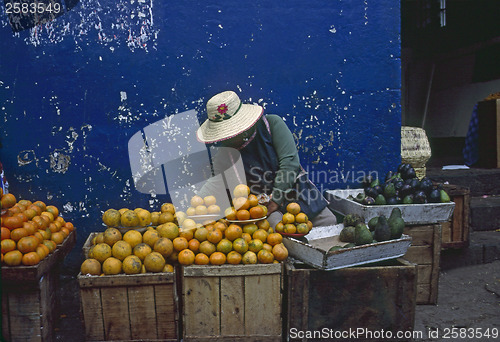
{"x":380,"y":228}
{"x":401,"y":187}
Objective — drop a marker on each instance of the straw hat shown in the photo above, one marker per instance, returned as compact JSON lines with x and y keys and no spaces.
{"x":227,"y":117}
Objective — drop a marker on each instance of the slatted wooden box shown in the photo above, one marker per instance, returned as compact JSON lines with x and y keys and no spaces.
{"x":30,"y":297}
{"x":455,"y":232}
{"x":374,"y":297}
{"x":129,"y":307}
{"x":232,"y":302}
{"x":425,"y":251}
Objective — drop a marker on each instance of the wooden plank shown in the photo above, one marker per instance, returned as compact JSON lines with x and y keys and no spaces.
{"x":423,"y":293}
{"x":5,"y":315}
{"x":115,"y":313}
{"x":92,"y":313}
{"x":230,"y":270}
{"x":165,"y":311}
{"x":232,"y":306}
{"x":201,"y":299}
{"x":260,"y":338}
{"x":457,"y":219}
{"x":421,"y":255}
{"x":142,"y":311}
{"x":262,"y":305}
{"x":25,"y":315}
{"x":298,"y":298}
{"x":424,"y":274}
{"x":435,"y":265}
{"x":446,"y":232}
{"x":420,"y":235}
{"x":125,"y":279}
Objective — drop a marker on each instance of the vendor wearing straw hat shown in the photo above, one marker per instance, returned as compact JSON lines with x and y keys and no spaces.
{"x":269,"y":156}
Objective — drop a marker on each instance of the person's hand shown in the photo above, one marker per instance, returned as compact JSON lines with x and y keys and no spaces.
{"x":272,"y":207}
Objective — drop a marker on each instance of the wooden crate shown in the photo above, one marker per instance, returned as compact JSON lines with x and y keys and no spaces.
{"x":375,"y":297}
{"x":425,"y":251}
{"x":455,"y":232}
{"x":130,"y":307}
{"x":488,"y":115}
{"x":30,"y":297}
{"x":232,"y":302}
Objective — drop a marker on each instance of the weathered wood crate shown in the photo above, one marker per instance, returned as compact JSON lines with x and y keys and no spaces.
{"x":130,"y":307}
{"x":232,"y":302}
{"x":30,"y":297}
{"x":455,"y":232}
{"x":373,"y":297}
{"x":425,"y":251}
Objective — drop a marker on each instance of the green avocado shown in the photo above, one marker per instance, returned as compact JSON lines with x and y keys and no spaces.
{"x":380,"y":200}
{"x":396,"y":225}
{"x":372,"y":223}
{"x":347,"y":234}
{"x":389,"y":190}
{"x":444,"y":196}
{"x":362,"y":235}
{"x":382,"y":230}
{"x":334,"y":248}
{"x":352,"y":220}
{"x":349,"y":245}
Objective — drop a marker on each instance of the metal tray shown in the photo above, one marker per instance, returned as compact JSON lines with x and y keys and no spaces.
{"x":321,"y":239}
{"x":411,"y":213}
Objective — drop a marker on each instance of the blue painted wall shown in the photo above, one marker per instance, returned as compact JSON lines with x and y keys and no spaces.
{"x":74,"y":90}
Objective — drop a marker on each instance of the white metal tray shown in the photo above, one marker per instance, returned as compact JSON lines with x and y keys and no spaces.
{"x":411,"y":213}
{"x":321,"y":239}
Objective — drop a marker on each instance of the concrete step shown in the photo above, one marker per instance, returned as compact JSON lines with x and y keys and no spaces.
{"x":485,"y":213}
{"x":484,"y":247}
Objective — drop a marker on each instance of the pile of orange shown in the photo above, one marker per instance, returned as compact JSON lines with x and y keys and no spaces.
{"x":203,"y":206}
{"x":133,"y":252}
{"x":245,"y":206}
{"x":138,"y":217}
{"x":30,"y":231}
{"x":294,"y":221}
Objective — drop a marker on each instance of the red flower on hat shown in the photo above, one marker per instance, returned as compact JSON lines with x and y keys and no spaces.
{"x":222,"y":108}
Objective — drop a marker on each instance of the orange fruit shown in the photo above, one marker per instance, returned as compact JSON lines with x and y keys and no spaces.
{"x":217,"y":258}
{"x":265,"y":257}
{"x":301,"y":218}
{"x":233,"y":258}
{"x":49,"y":215}
{"x":52,"y":209}
{"x":267,"y":247}
{"x":196,"y":201}
{"x":37,"y":208}
{"x":101,"y":252}
{"x":249,"y":258}
{"x":8,"y":200}
{"x":225,"y":246}
{"x":242,"y":215}
{"x":154,"y":262}
{"x":133,"y":237}
{"x":220,"y":225}
{"x":112,"y":235}
{"x":247,"y":237}
{"x":189,"y":224}
{"x":166,"y":217}
{"x":209,"y":200}
{"x":250,"y":228}
{"x":30,"y":227}
{"x":280,"y":252}
{"x":241,"y":190}
{"x":194,"y":245}
{"x":42,"y":251}
{"x":167,"y":208}
{"x":201,"y":259}
{"x":280,"y":227}
{"x":173,"y":257}
{"x":191,"y":211}
{"x":260,"y":234}
{"x":141,"y":250}
{"x":309,"y":225}
{"x":302,"y":228}
{"x":90,"y":266}
{"x":18,"y":233}
{"x":13,"y":258}
{"x":201,"y":234}
{"x":12,"y":222}
{"x":240,"y":246}
{"x":8,"y":245}
{"x":290,"y":228}
{"x":169,"y":230}
{"x":131,"y":265}
{"x":274,"y":238}
{"x":288,"y":218}
{"x":263,"y":224}
{"x":5,"y":233}
{"x":27,"y":244}
{"x":230,"y":213}
{"x":241,"y":203}
{"x":150,"y":236}
{"x":168,"y":268}
{"x":293,"y":208}
{"x":53,"y":227}
{"x":188,"y":234}
{"x":200,"y":210}
{"x":207,"y":248}
{"x":214,"y":235}
{"x":180,"y":243}
{"x":255,"y":245}
{"x":233,"y":232}
{"x":24,"y":202}
{"x":186,"y":257}
{"x":111,"y":266}
{"x":164,"y":246}
{"x":30,"y":213}
{"x":144,"y":217}
{"x":213,"y":209}
{"x":155,"y":218}
{"x":121,"y":249}
{"x":256,"y":212}
{"x":69,"y":226}
{"x":21,"y":216}
{"x":51,"y":245}
{"x":129,"y":218}
{"x":254,"y":200}
{"x":30,"y":259}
